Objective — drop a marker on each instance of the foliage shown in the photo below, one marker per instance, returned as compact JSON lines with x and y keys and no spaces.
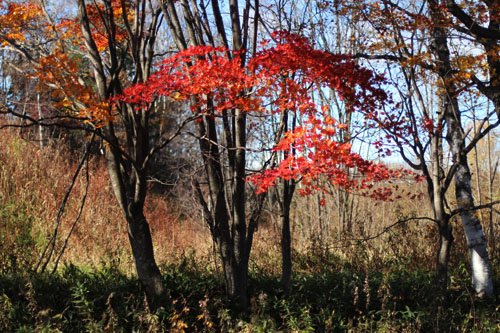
{"x":279,"y":79}
{"x":18,"y":20}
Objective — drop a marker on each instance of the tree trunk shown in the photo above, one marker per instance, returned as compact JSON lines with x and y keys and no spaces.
{"x":443,"y":253}
{"x":239,"y":287}
{"x":286,"y":201}
{"x":476,"y":240}
{"x":230,"y":240}
{"x":286,"y":249}
{"x":235,"y":275}
{"x":128,"y":169}
{"x":235,"y":278}
{"x":239,"y":227}
{"x":147,"y":270}
{"x":436,"y":191}
{"x":138,"y":232}
{"x":455,"y":136}
{"x":225,"y":205}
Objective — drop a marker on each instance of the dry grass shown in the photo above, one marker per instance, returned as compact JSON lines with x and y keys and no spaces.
{"x":33,"y":181}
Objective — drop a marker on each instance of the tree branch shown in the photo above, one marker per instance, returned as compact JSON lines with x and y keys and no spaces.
{"x":470,"y":24}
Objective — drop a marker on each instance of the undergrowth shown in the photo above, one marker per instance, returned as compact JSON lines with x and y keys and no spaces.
{"x":339,"y":298}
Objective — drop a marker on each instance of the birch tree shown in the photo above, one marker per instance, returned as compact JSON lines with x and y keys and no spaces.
{"x":422,"y":37}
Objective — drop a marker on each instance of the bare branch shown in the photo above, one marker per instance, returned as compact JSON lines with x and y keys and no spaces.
{"x":472,"y":209}
{"x":49,"y":248}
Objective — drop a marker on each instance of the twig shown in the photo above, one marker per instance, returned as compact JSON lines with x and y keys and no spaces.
{"x":52,"y":240}
{"x":463,"y":210}
{"x":386,"y":229}
{"x":80,"y":211}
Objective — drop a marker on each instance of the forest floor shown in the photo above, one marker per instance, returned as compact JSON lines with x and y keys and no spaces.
{"x":337,"y":298}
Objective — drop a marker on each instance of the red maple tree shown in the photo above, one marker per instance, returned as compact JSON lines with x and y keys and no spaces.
{"x":281,"y":78}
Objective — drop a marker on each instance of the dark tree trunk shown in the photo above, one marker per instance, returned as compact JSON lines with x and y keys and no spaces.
{"x":139,"y":233}
{"x":286,"y":201}
{"x":286,"y":246}
{"x":443,"y":253}
{"x":237,"y":285}
{"x":239,"y":212}
{"x":147,"y":270}
{"x":127,"y":155}
{"x":231,"y":240}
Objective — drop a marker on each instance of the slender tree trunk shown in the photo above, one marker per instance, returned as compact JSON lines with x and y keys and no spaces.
{"x":286,"y":201}
{"x":445,"y":238}
{"x":443,"y":254}
{"x":127,"y":155}
{"x":234,"y":262}
{"x":286,"y":242}
{"x":491,"y":179}
{"x":442,"y":218}
{"x":225,"y":207}
{"x":138,"y":232}
{"x":235,"y":275}
{"x":240,"y":295}
{"x":239,"y":211}
{"x":476,"y":240}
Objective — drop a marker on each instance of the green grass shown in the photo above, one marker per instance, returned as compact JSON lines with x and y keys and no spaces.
{"x":336,"y":299}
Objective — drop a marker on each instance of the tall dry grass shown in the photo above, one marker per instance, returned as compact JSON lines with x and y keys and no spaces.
{"x":33,"y":182}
